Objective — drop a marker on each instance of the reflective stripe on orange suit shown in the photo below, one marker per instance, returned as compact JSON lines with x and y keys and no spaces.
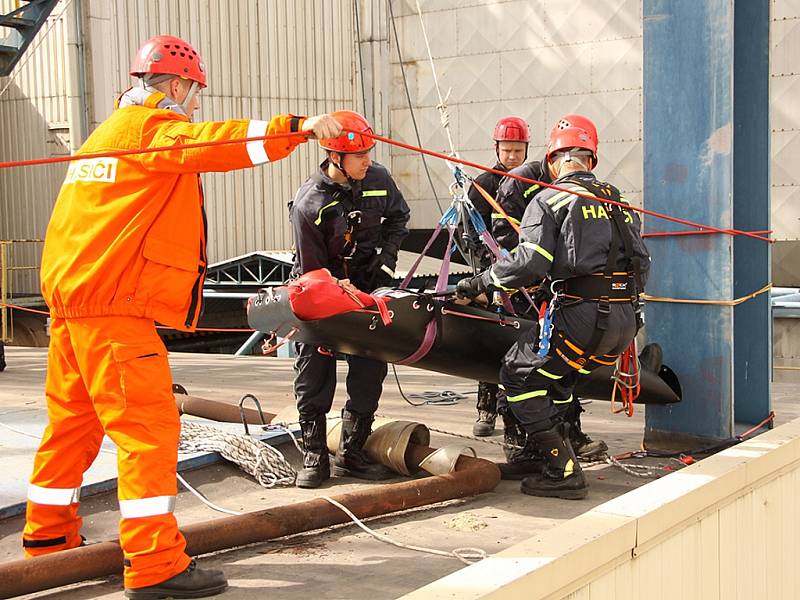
{"x":111,"y":374}
{"x":126,"y":246}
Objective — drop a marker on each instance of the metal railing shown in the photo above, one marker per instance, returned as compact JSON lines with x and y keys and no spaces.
{"x":11,"y":265}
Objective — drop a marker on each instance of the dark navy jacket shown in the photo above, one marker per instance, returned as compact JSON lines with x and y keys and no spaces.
{"x":513,"y":196}
{"x":322,"y":211}
{"x":564,"y":235}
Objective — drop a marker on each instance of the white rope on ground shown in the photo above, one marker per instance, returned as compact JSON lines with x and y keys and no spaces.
{"x":465,"y":555}
{"x":266,"y":464}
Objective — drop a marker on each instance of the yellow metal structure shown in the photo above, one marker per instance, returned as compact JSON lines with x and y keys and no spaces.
{"x":10,"y":267}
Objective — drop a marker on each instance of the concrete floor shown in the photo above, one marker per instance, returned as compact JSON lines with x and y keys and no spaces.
{"x":341,"y":562}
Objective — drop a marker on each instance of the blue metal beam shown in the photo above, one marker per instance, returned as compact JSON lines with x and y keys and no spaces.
{"x":706,"y":138}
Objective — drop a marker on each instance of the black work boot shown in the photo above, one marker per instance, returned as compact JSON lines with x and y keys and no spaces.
{"x":562,"y":476}
{"x":191,"y":583}
{"x":487,"y":410}
{"x":522,"y":460}
{"x":351,"y":460}
{"x":585,"y":447}
{"x":316,"y":462}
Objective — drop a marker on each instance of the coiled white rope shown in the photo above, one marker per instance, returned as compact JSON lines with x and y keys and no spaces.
{"x":266,"y":464}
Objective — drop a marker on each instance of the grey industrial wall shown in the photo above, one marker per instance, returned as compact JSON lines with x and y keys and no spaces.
{"x":537,"y":58}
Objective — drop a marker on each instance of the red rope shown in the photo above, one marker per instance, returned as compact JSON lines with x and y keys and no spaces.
{"x":672,"y":233}
{"x":60,"y":159}
{"x":208,"y":329}
{"x":555,"y":187}
{"x":117,"y":153}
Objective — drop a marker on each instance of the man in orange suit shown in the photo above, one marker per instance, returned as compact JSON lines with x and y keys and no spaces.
{"x":125,"y":247}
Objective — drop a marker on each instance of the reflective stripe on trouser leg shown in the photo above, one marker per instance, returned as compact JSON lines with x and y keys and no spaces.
{"x":530,"y":381}
{"x":125,"y":366}
{"x":69,"y":446}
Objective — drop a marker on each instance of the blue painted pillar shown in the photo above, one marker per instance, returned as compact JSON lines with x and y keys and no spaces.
{"x":706,"y":158}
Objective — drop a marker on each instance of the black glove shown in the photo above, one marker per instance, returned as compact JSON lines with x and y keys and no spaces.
{"x":471,"y":287}
{"x":381,"y":266}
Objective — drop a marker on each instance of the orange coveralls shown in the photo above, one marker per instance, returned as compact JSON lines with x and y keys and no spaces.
{"x":126,"y":247}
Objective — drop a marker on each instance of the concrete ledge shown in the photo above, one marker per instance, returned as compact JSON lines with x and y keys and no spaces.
{"x":573,"y":554}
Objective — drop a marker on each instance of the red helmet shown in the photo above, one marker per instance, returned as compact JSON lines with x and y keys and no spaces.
{"x":350,"y":141}
{"x":169,"y":55}
{"x":571,"y":137}
{"x":579,"y":121}
{"x":511,"y":129}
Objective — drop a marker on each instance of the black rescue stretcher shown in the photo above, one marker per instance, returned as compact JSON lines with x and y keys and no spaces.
{"x":431,"y":333}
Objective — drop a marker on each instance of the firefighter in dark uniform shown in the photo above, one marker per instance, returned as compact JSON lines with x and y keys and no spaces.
{"x":511,"y":137}
{"x":514,"y":196}
{"x":350,"y":218}
{"x":591,"y":255}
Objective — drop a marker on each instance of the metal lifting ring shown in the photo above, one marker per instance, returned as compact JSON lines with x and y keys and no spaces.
{"x":391,"y":314}
{"x":415,"y":305}
{"x":241,"y":411}
{"x":516,"y":325}
{"x":430,"y":307}
{"x":373,"y":323}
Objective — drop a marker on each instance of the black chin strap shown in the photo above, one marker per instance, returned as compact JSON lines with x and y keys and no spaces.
{"x":350,"y":180}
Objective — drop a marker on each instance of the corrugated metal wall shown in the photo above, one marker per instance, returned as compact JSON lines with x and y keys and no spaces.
{"x":536,"y":58}
{"x":35,"y":122}
{"x":785,"y":92}
{"x":263,"y":58}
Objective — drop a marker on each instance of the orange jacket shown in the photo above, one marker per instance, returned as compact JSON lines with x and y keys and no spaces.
{"x":128,"y":235}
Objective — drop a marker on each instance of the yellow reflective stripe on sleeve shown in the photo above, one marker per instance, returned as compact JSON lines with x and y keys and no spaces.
{"x":530,"y":190}
{"x":538,"y":249}
{"x":567,"y":401}
{"x":564,"y":202}
{"x":550,"y":375}
{"x":498,"y":216}
{"x":321,"y":210}
{"x":497,"y":283}
{"x":557,"y":197}
{"x":526,"y":395}
{"x":368,"y":193}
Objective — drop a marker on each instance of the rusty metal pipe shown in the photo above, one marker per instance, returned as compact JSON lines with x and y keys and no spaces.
{"x":471,"y":476}
{"x":218,"y":411}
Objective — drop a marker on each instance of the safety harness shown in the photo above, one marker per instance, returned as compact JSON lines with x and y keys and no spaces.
{"x":603,"y":288}
{"x":351,"y":206}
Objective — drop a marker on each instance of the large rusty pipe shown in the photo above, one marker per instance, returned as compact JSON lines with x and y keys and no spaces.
{"x":218,"y":411}
{"x":471,"y":476}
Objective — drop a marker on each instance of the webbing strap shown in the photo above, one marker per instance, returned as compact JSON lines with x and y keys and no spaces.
{"x":432,"y":329}
{"x":410,"y":275}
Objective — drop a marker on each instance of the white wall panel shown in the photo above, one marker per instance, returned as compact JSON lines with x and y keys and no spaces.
{"x":34,"y":123}
{"x":536,"y":58}
{"x":785,"y":95}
